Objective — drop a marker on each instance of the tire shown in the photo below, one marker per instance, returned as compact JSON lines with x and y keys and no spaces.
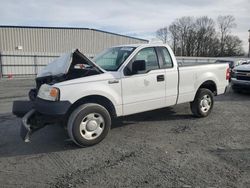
{"x":89,"y":124}
{"x":203,"y":103}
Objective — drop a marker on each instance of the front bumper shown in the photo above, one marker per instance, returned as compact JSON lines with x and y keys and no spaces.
{"x":44,"y":107}
{"x":37,"y":114}
{"x":51,"y":108}
{"x":240,"y":84}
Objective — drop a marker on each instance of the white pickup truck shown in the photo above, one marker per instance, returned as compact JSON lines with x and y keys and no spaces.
{"x":85,"y":95}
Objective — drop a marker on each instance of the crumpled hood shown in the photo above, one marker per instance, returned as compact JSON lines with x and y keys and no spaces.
{"x":89,"y":79}
{"x":56,"y":67}
{"x":243,"y":67}
{"x":62,"y":64}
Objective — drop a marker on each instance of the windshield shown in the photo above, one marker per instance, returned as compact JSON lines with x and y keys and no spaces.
{"x":112,"y":58}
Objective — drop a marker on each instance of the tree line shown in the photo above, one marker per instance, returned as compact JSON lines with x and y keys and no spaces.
{"x":202,"y":37}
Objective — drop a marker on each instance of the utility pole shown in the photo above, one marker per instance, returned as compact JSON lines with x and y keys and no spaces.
{"x":1,"y":66}
{"x":249,"y":43}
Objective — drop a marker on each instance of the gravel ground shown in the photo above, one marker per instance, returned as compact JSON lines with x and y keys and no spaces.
{"x":161,"y":148}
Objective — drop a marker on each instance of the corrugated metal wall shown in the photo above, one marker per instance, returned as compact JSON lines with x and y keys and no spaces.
{"x":40,"y":45}
{"x":59,"y":40}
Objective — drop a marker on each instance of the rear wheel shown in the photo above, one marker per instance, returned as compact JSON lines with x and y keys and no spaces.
{"x":89,"y":124}
{"x":203,"y":103}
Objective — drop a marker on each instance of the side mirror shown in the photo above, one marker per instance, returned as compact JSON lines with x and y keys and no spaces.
{"x":138,"y":65}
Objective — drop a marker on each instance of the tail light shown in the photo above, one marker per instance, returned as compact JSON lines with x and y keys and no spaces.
{"x":228,"y":74}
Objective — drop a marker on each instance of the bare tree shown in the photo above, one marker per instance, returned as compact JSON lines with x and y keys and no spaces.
{"x":182,"y":35}
{"x":173,"y":30}
{"x":185,"y":27}
{"x":233,"y":46}
{"x":162,"y":34}
{"x":225,"y":23}
{"x":198,"y":37}
{"x":205,"y":28}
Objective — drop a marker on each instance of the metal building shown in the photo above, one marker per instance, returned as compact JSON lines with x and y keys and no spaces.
{"x":59,"y":39}
{"x":24,"y":50}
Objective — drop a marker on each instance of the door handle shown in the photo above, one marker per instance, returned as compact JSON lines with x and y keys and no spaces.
{"x":113,"y":81}
{"x":160,"y":78}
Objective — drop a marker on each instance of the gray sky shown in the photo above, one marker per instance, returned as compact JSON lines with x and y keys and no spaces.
{"x":139,"y":18}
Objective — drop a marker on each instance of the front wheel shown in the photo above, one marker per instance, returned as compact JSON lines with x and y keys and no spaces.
{"x":203,"y":103}
{"x":89,"y":124}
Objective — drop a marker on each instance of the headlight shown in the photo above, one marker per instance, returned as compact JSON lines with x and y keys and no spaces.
{"x":48,"y":92}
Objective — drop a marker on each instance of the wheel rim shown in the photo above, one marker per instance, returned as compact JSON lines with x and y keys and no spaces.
{"x":205,"y":103}
{"x":92,"y":126}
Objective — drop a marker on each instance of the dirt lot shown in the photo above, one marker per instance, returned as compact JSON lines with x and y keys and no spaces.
{"x":162,"y":148}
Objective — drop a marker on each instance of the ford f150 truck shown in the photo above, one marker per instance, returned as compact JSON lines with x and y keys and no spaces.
{"x":85,"y":95}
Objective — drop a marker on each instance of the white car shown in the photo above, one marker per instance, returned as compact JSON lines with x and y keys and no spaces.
{"x":85,"y":95}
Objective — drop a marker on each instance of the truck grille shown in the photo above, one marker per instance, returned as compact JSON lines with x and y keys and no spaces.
{"x":243,"y":75}
{"x":243,"y":78}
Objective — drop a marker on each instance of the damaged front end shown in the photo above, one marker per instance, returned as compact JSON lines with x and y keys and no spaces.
{"x":33,"y":120}
{"x":37,"y":112}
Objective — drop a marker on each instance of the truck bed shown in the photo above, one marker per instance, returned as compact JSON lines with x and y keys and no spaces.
{"x":191,"y":76}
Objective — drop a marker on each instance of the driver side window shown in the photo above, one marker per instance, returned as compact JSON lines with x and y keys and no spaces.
{"x":150,"y":57}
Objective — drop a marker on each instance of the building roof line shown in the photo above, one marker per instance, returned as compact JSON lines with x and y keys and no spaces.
{"x":75,"y":28}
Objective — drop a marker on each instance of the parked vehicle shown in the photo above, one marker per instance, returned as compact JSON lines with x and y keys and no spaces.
{"x":85,"y":95}
{"x":245,"y":63}
{"x":241,"y":77}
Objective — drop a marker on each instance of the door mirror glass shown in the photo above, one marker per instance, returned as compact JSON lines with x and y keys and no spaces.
{"x":138,"y":65}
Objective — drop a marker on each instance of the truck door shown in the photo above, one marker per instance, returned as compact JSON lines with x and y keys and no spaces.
{"x":144,"y":90}
{"x":171,"y":75}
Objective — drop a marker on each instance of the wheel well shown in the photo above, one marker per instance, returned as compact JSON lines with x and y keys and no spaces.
{"x":103,"y":101}
{"x":209,"y":85}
